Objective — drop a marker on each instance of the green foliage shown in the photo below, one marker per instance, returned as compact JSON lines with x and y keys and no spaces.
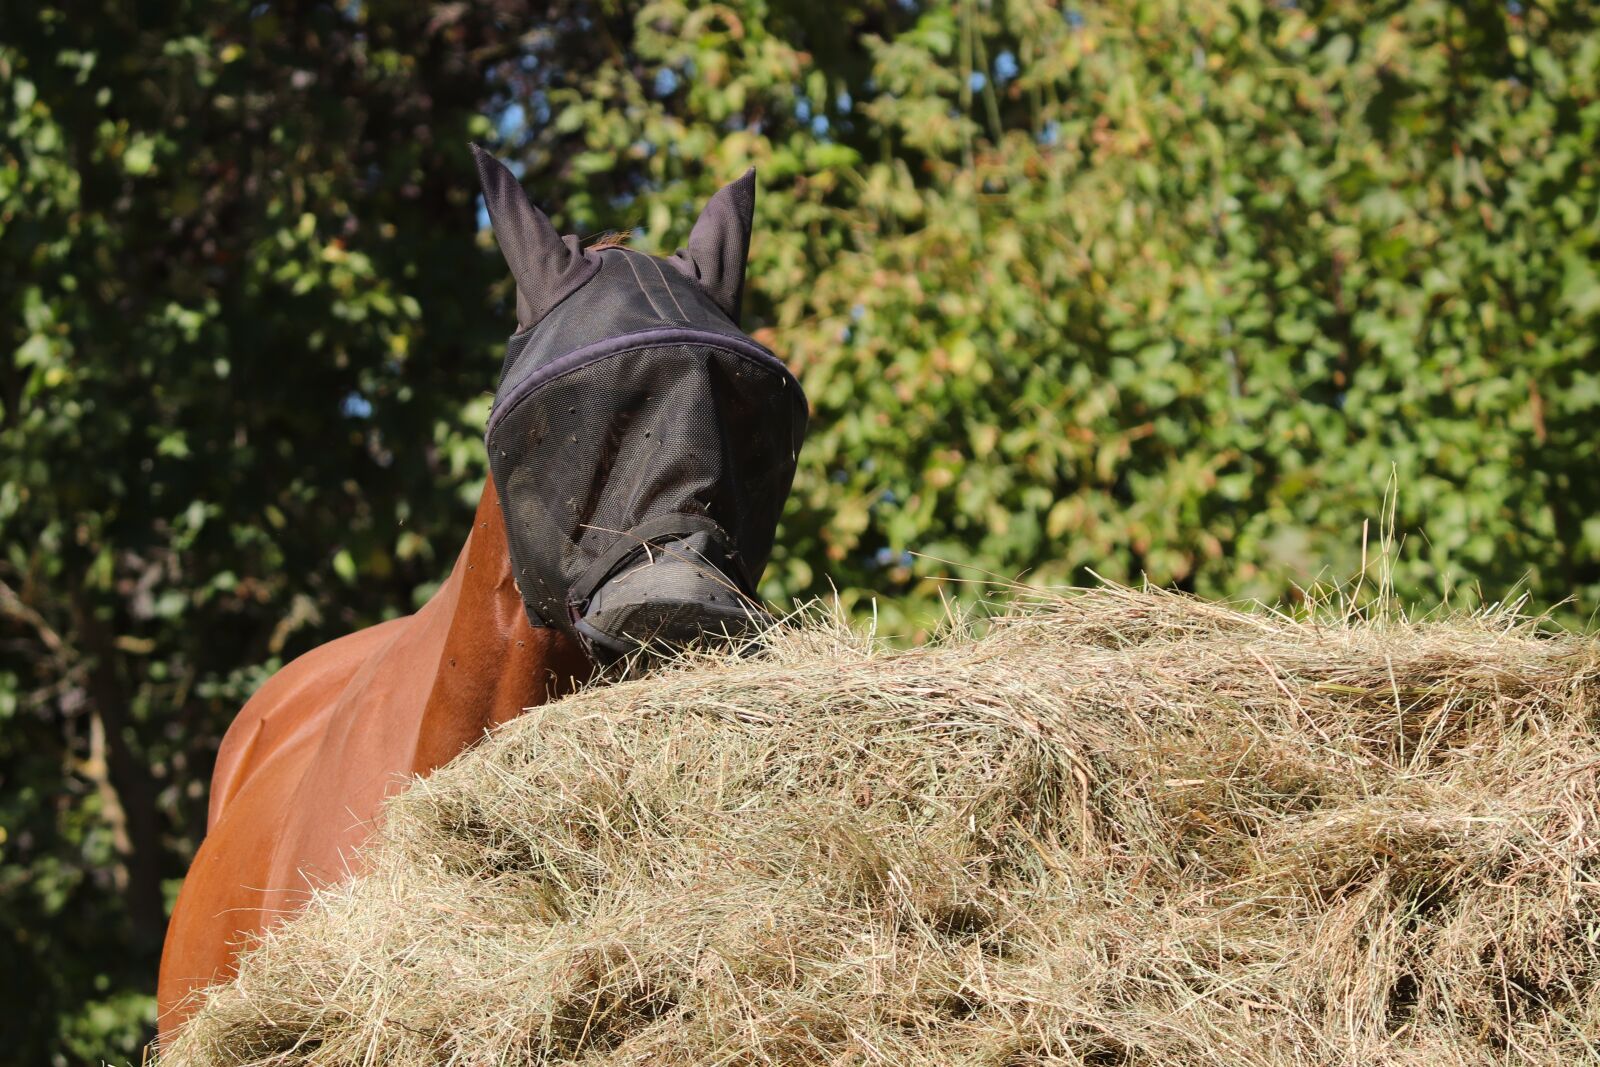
{"x":1164,"y":288}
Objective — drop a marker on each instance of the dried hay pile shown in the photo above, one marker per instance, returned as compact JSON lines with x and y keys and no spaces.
{"x":1119,"y":828}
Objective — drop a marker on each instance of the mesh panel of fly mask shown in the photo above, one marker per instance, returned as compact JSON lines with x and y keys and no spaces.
{"x":642,"y":445}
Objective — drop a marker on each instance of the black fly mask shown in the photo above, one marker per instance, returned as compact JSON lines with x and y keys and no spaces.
{"x":642,"y":445}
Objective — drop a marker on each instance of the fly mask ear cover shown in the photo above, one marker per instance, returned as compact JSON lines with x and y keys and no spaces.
{"x":642,"y":445}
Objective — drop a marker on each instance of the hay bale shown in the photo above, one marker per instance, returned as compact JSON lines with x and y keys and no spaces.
{"x":1118,"y":828}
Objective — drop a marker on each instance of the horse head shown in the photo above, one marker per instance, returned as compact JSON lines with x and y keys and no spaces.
{"x":642,"y":445}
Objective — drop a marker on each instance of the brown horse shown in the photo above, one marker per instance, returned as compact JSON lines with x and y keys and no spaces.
{"x":641,"y":447}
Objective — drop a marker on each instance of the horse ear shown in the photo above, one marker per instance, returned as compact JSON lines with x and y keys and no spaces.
{"x":719,"y":244}
{"x":547,"y":267}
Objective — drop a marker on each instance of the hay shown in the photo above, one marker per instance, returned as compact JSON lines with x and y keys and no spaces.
{"x":1120,"y":827}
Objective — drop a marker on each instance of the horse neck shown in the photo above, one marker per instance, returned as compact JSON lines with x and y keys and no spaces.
{"x":493,"y":663}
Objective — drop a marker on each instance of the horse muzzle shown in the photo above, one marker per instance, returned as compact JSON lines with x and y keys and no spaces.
{"x":665,"y":596}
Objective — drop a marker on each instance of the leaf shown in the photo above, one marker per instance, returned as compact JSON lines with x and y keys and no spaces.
{"x":1580,"y":285}
{"x":139,"y":157}
{"x":344,"y":565}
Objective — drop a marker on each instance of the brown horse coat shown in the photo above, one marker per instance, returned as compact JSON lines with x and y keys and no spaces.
{"x":303,"y":769}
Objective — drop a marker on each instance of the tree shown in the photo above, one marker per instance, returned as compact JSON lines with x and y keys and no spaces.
{"x":1161,"y":289}
{"x":249,"y":338}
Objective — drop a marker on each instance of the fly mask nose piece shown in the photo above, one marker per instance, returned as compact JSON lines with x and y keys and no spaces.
{"x":662,"y":588}
{"x":642,"y":445}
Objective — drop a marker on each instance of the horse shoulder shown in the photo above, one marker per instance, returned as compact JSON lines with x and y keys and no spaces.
{"x":290,"y":709}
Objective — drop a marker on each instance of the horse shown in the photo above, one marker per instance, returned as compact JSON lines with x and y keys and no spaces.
{"x":641,"y":447}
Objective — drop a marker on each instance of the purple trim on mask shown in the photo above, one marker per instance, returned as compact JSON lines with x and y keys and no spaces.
{"x":628,"y":342}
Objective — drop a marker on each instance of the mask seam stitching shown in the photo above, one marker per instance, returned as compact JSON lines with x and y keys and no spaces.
{"x":683,"y":316}
{"x":642,"y":290}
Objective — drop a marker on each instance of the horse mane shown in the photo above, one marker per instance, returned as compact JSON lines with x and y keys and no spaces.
{"x":614,"y":239}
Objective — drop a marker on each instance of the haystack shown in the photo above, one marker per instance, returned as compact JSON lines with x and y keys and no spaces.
{"x":1118,"y":827}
